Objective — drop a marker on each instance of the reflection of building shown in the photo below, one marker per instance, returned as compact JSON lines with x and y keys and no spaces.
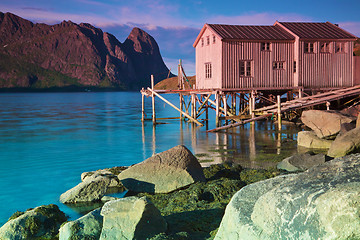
{"x":283,"y":55}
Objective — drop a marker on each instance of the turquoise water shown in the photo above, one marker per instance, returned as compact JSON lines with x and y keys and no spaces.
{"x":48,"y":139}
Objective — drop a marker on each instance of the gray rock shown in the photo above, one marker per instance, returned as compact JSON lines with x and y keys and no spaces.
{"x":86,"y":227}
{"x":93,"y":187}
{"x":345,"y":144}
{"x":39,"y":223}
{"x":164,"y":172}
{"x":325,"y":124}
{"x":91,"y":190}
{"x":308,"y":139}
{"x":301,"y":162}
{"x":320,"y":203}
{"x":131,"y":218}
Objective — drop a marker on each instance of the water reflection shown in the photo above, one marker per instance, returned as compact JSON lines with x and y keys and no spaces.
{"x":258,"y":145}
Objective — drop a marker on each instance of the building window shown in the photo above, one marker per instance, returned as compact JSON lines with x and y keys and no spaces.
{"x":308,"y":47}
{"x":340,"y":47}
{"x":207,"y":40}
{"x":325,"y":47}
{"x":265,"y":46}
{"x":202,"y":42}
{"x":214,"y":39}
{"x":245,"y":68}
{"x":208,"y":70}
{"x":294,"y":66}
{"x":278,"y":65}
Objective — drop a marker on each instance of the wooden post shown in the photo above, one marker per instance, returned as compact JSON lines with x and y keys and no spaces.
{"x":217,"y":102}
{"x":253,"y":103}
{"x":142,"y":107}
{"x":179,"y":75}
{"x":300,"y":93}
{"x":327,"y":106}
{"x":193,"y":106}
{"x":181,"y":105}
{"x":153,"y":100}
{"x":279,"y":111}
{"x":225,"y":106}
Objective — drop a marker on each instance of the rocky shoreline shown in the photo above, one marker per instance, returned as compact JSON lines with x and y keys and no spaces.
{"x":170,"y":196}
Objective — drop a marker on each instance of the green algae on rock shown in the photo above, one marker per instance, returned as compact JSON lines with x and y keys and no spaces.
{"x":39,"y":223}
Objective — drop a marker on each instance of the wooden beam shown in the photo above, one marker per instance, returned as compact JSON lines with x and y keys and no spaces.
{"x":203,"y":103}
{"x":239,"y":123}
{"x":172,"y":105}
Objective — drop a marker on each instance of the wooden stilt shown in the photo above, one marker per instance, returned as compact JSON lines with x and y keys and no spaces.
{"x":279,"y":111}
{"x":142,"y":107}
{"x":217,"y":103}
{"x":153,"y":100}
{"x":225,"y":107}
{"x":181,"y":105}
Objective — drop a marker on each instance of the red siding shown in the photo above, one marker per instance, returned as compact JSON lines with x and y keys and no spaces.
{"x":263,"y":74}
{"x":356,"y":70}
{"x":324,"y":70}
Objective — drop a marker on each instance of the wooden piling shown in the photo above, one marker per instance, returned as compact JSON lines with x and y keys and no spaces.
{"x":142,"y":107}
{"x":153,"y":100}
{"x":279,"y":111}
{"x":217,"y":112}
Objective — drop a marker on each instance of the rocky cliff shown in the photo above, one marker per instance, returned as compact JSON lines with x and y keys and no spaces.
{"x":74,"y":55}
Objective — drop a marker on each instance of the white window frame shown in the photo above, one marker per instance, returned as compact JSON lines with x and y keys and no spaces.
{"x":279,"y":65}
{"x":325,"y":47}
{"x":340,"y":47}
{"x":245,"y":68}
{"x":265,"y":46}
{"x":309,"y":47}
{"x":208,"y":70}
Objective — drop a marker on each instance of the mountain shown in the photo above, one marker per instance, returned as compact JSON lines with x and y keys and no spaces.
{"x":41,"y":56}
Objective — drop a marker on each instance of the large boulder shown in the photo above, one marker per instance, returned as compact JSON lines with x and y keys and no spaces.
{"x":325,"y":124}
{"x":93,"y":187}
{"x":320,"y":203}
{"x":86,"y":227}
{"x":131,"y":218}
{"x":301,"y":162}
{"x":345,"y":144}
{"x":39,"y":223}
{"x":164,"y":172}
{"x":308,"y":139}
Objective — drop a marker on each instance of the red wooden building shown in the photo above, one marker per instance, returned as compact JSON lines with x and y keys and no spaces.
{"x":284,"y":55}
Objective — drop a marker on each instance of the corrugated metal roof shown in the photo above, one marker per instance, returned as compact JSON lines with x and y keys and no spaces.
{"x":321,"y":30}
{"x":240,"y":32}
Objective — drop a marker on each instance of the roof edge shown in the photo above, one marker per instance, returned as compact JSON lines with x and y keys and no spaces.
{"x":206,"y":25}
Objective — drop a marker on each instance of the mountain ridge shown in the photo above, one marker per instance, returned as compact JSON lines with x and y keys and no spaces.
{"x":41,"y":56}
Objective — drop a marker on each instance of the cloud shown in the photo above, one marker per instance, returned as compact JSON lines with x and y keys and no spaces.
{"x":352,"y":27}
{"x":265,"y":18}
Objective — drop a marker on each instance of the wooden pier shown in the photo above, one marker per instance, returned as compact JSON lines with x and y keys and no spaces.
{"x":234,"y":107}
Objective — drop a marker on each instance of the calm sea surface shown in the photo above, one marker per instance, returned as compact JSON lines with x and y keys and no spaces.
{"x":48,"y":139}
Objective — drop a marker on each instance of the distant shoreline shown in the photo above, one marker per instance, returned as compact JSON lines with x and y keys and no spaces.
{"x":62,"y":89}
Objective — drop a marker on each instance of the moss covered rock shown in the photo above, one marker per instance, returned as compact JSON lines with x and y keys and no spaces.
{"x":39,"y":223}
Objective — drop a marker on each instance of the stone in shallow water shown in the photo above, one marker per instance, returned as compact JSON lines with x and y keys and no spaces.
{"x":308,"y":139}
{"x":164,"y":172}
